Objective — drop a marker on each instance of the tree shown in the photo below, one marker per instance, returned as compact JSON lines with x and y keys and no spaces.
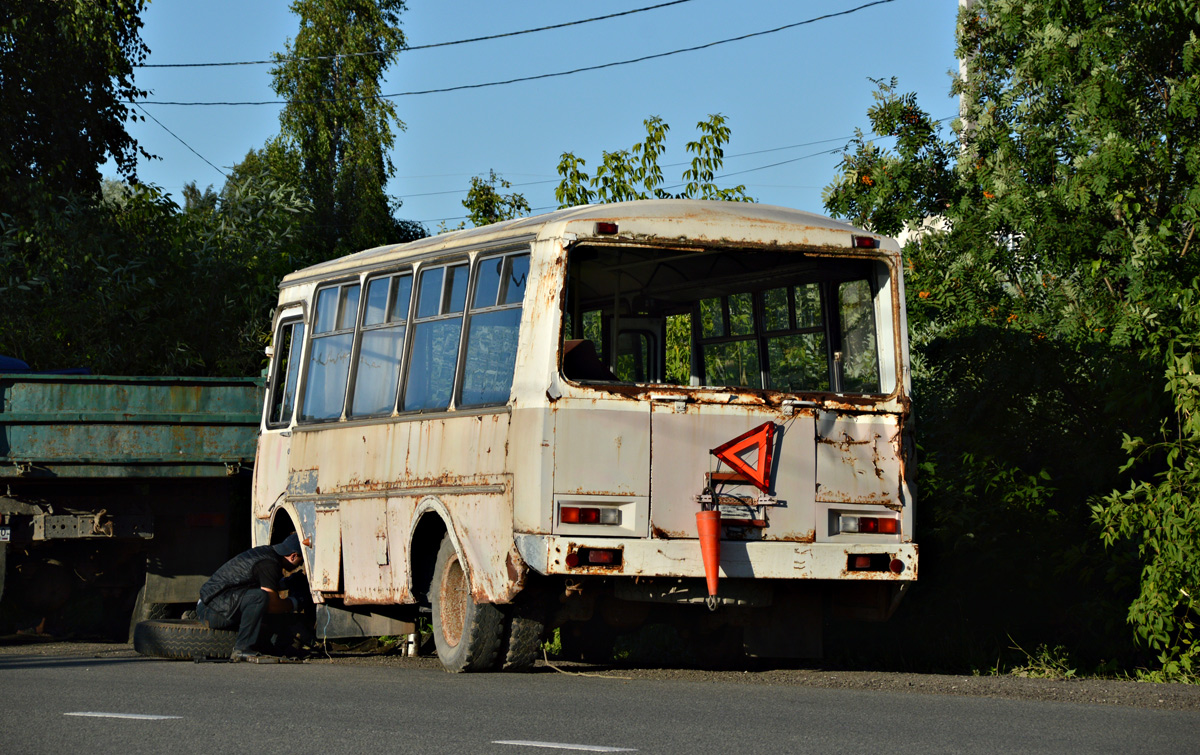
{"x":129,"y":285}
{"x":336,"y":120}
{"x":487,"y":205}
{"x":1064,"y":246}
{"x":631,"y":174}
{"x":195,"y":200}
{"x":66,"y":72}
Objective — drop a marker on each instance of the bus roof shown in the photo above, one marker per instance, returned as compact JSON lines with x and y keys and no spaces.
{"x":693,"y":220}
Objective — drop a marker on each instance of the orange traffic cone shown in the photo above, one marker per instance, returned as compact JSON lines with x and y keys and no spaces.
{"x":708,"y":525}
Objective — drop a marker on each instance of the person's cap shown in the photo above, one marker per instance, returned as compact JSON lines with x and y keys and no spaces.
{"x":289,"y":546}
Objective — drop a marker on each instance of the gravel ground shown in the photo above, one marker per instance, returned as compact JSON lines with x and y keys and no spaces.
{"x":1095,"y":691}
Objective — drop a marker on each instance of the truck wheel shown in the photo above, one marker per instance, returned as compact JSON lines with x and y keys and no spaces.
{"x":182,"y":639}
{"x":466,"y":633}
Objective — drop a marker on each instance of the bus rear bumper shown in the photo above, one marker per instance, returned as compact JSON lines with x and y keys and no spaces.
{"x":554,"y":554}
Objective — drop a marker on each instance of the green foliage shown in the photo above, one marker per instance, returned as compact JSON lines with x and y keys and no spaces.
{"x":882,"y":190}
{"x":487,"y":205}
{"x":137,"y":287}
{"x":631,"y":174}
{"x":1056,"y":234}
{"x":66,"y":69}
{"x":1044,"y":663}
{"x":1159,"y":512}
{"x":195,"y":200}
{"x":337,"y":122}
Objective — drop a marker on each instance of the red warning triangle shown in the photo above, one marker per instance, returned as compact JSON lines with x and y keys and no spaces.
{"x":762,"y":436}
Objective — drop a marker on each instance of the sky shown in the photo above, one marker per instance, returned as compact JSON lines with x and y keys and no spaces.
{"x":792,"y":98}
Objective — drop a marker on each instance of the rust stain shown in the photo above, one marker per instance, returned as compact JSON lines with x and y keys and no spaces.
{"x":514,"y":574}
{"x":793,"y":537}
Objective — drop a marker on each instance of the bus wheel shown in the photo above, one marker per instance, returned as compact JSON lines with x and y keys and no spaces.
{"x":521,"y":641}
{"x":466,"y":633}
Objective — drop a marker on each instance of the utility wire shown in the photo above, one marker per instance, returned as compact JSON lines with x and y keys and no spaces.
{"x":544,"y":75}
{"x":415,"y":47}
{"x":180,"y":140}
{"x":675,"y":165}
{"x":666,"y":165}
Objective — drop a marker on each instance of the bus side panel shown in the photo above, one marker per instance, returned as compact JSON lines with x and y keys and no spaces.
{"x":367,"y":552}
{"x":458,"y":450}
{"x":458,"y":463}
{"x":531,"y":456}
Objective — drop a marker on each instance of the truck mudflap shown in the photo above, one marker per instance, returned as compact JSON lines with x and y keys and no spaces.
{"x":581,"y":556}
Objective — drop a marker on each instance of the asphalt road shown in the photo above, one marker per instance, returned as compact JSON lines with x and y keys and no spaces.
{"x":410,"y":705}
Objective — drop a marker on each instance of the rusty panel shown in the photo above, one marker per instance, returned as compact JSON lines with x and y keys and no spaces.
{"x":681,"y":451}
{"x":857,"y":459}
{"x":602,"y":448}
{"x":483,"y":524}
{"x":364,"y":544}
{"x":327,"y":549}
{"x":271,"y":472}
{"x":454,"y":449}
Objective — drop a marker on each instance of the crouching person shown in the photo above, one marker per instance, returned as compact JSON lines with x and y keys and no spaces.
{"x":245,"y":590}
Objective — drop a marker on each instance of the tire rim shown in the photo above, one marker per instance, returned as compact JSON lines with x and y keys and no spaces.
{"x":452,"y":597}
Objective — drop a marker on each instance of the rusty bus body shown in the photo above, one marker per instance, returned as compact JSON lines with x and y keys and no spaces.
{"x":513,"y":427}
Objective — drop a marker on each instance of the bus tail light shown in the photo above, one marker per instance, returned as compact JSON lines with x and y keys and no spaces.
{"x":594,"y":557}
{"x":589,"y":515}
{"x":877,"y":562}
{"x":874,"y":525}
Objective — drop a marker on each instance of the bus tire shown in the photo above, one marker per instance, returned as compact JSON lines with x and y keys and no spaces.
{"x":521,"y":642}
{"x":182,"y":640}
{"x":467,"y":634}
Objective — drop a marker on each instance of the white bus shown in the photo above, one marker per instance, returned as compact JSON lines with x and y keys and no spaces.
{"x":515,"y":428}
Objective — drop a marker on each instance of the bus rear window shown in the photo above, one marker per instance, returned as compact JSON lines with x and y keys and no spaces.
{"x":723,"y":318}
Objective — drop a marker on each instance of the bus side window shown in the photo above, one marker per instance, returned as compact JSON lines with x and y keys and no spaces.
{"x":860,"y":358}
{"x":329,"y":352}
{"x":287,"y":373}
{"x":381,"y":345}
{"x":441,"y":298}
{"x":493,"y":330}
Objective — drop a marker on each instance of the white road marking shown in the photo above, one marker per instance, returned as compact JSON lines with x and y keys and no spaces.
{"x":139,"y":716}
{"x":561,"y":746}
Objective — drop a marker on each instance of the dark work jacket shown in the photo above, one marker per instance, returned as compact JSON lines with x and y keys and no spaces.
{"x":237,"y":574}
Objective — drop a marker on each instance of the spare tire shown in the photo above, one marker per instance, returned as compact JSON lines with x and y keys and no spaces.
{"x":182,"y":640}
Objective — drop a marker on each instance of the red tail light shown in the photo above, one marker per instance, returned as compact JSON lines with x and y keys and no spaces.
{"x":589,"y":515}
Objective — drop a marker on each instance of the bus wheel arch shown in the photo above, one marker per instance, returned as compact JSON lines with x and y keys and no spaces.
{"x":283,"y":523}
{"x":430,"y":526}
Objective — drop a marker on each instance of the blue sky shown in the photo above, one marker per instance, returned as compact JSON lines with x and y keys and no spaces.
{"x":781,"y":92}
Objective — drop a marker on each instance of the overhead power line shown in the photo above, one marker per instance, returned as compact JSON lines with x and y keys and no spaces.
{"x":179,"y":139}
{"x":680,"y":185}
{"x":842,"y":140}
{"x":415,"y":47}
{"x":544,"y":75}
